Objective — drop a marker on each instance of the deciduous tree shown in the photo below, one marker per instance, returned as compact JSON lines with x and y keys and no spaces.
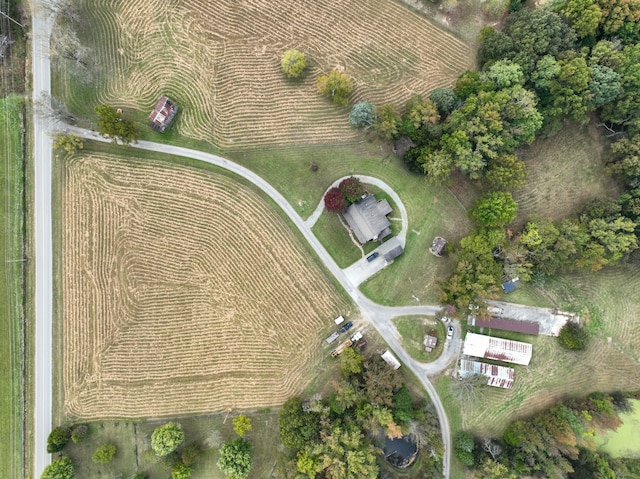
{"x":495,"y":209}
{"x":297,"y":428}
{"x":445,"y":99}
{"x":351,"y":362}
{"x":58,"y":439}
{"x":388,"y":121}
{"x":67,"y":142}
{"x":337,"y":86}
{"x":334,"y":201}
{"x":352,"y":189}
{"x":166,"y":438}
{"x":235,"y":459}
{"x":241,"y":424}
{"x":61,"y":468}
{"x":293,"y":63}
{"x":112,"y":125}
{"x":582,"y":15}
{"x":104,"y":454}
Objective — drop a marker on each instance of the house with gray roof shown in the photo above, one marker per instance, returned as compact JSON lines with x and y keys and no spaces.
{"x":391,"y":249}
{"x":368,"y":219}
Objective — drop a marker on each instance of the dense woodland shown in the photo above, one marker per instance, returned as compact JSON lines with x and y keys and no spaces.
{"x":569,"y":60}
{"x":556,"y":443}
{"x":340,"y":437}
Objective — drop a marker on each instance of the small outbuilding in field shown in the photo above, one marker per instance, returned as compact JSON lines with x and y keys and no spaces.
{"x":430,"y":342}
{"x":390,"y":359}
{"x":437,"y":247}
{"x":163,"y":114}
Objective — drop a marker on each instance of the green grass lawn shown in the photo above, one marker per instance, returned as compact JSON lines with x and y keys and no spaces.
{"x":412,"y":330}
{"x":432,"y":211}
{"x":443,"y":386}
{"x":334,"y":236}
{"x":11,"y":294}
{"x":134,"y":451}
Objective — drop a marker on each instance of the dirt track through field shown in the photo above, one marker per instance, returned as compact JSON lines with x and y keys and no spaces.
{"x":184,"y":292}
{"x":220,"y":61}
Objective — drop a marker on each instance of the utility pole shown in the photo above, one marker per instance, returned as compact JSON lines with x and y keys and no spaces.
{"x":14,"y":21}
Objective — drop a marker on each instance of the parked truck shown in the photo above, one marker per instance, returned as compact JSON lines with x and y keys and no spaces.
{"x":336,"y":352}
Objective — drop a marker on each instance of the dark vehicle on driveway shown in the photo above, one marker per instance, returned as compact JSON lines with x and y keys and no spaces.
{"x":346,"y":327}
{"x":372,"y":256}
{"x":361,"y":345}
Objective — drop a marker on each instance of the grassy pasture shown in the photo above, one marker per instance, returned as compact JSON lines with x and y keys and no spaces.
{"x":412,"y":330}
{"x":149,"y":248}
{"x":11,"y":292}
{"x":133,"y":440}
{"x":220,"y":61}
{"x":565,"y":171}
{"x":431,"y":210}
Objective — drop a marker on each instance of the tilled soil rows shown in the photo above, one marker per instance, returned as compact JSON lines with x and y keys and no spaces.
{"x":220,"y":61}
{"x":183,"y":291}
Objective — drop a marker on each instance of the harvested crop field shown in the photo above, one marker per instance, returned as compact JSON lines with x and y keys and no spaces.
{"x":183,"y":291}
{"x":220,"y":61}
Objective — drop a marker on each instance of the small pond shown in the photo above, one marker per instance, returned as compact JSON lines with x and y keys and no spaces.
{"x":625,"y":442}
{"x":401,"y":452}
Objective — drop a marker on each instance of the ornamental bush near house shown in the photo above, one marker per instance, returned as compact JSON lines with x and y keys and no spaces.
{"x":334,"y":201}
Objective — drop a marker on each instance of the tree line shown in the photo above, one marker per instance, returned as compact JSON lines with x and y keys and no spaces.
{"x":563,"y":61}
{"x":556,"y":443}
{"x":167,"y":445}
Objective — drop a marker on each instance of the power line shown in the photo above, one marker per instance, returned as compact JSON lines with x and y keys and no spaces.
{"x":14,"y":21}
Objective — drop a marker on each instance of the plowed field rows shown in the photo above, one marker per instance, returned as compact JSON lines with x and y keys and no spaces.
{"x":220,"y":60}
{"x":183,"y":292}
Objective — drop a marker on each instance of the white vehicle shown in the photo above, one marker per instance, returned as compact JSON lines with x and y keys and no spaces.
{"x":450,"y":332}
{"x":356,"y":337}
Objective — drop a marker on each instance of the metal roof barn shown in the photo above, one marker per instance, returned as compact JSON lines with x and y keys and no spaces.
{"x":481,"y":346}
{"x":505,"y":324}
{"x":497,"y":376}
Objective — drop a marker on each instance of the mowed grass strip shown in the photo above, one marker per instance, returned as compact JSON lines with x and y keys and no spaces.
{"x":11,"y":292}
{"x":565,"y":171}
{"x":133,"y":440}
{"x":412,"y":331}
{"x":220,"y":61}
{"x":183,"y":291}
{"x":432,"y":211}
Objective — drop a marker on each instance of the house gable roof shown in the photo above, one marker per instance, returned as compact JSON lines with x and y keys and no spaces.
{"x":368,"y":219}
{"x":162,"y":114}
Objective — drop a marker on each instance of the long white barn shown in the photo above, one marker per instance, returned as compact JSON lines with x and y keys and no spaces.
{"x":481,"y":346}
{"x":497,"y":376}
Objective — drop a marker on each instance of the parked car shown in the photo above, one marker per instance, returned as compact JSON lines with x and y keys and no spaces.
{"x":372,"y":256}
{"x":450,"y":332}
{"x":346,"y":327}
{"x":361,"y":345}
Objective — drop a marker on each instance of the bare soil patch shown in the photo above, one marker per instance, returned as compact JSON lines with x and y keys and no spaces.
{"x":183,"y":291}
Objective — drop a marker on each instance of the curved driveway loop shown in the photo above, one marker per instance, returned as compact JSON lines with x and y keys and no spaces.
{"x":379,"y":316}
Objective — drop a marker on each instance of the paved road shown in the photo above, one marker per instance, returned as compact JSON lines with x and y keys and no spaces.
{"x":41,"y":32}
{"x":380,"y":316}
